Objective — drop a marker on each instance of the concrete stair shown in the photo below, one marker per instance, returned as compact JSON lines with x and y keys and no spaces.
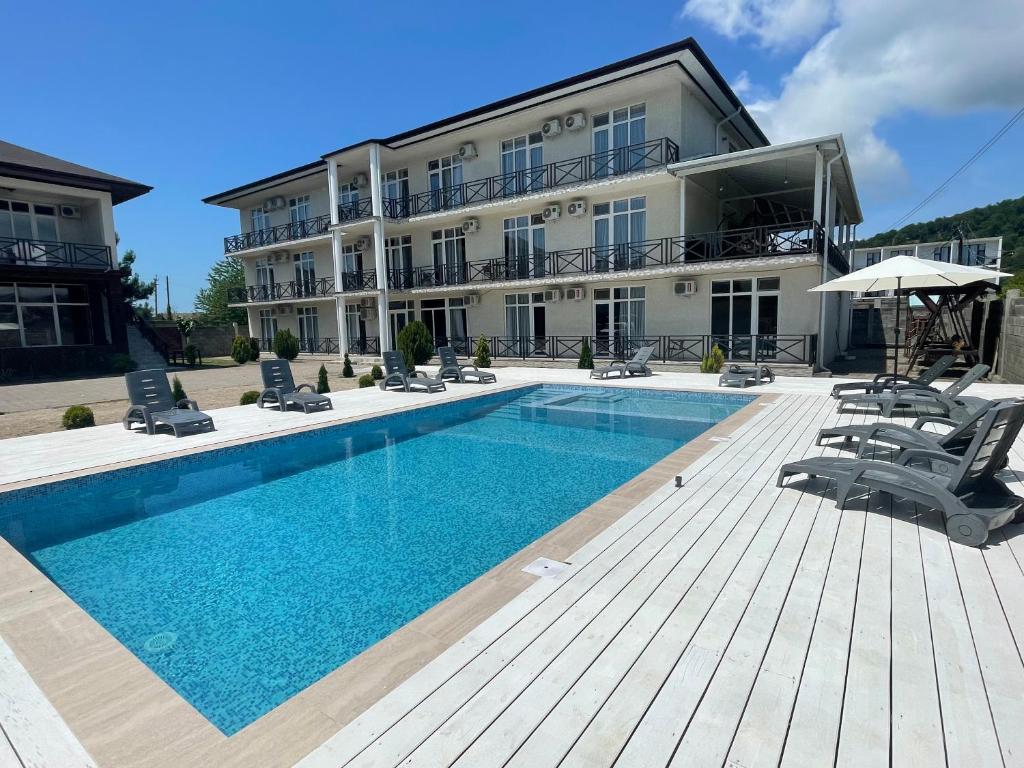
{"x":142,"y":351}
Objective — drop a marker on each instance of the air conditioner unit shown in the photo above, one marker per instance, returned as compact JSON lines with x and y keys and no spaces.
{"x":362,"y":243}
{"x":552,"y":212}
{"x":551,"y":295}
{"x":575,"y":121}
{"x":368,"y":303}
{"x":359,"y":180}
{"x":273,"y":204}
{"x":467,"y":151}
{"x":551,"y":128}
{"x":685,"y":287}
{"x":472,"y":299}
{"x":470,"y":225}
{"x":285,"y":309}
{"x":575,"y":294}
{"x":280,"y":256}
{"x":577,"y":207}
{"x":367,"y":313}
{"x":70,"y":212}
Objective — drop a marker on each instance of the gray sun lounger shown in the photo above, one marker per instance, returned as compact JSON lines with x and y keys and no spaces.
{"x":635,"y":367}
{"x":398,"y":376}
{"x":152,"y":404}
{"x":279,"y":389}
{"x":738,"y":375}
{"x":886,"y":381}
{"x":964,"y":425}
{"x":450,"y":369}
{"x":973,"y":501}
{"x":910,"y":396}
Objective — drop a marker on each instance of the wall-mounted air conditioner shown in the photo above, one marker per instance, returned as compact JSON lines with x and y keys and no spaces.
{"x":575,"y":121}
{"x":70,"y":212}
{"x":280,"y":256}
{"x":360,"y":180}
{"x":472,"y":299}
{"x":273,"y":204}
{"x":368,"y":303}
{"x":368,"y":313}
{"x":685,"y":287}
{"x":362,"y":243}
{"x":469,"y":226}
{"x":552,"y":212}
{"x":577,"y":207}
{"x":467,"y":151}
{"x":575,"y":294}
{"x":551,"y":128}
{"x":285,"y":309}
{"x":552,"y":295}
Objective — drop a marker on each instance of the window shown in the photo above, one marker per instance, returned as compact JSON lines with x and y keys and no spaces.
{"x":974,"y":254}
{"x":522,"y":164}
{"x":309,"y":328}
{"x":524,"y":246}
{"x":400,"y":314}
{"x":396,"y":193}
{"x":618,"y":139}
{"x":940,"y":253}
{"x":449,"y":249}
{"x":740,"y":308}
{"x":258,"y":220}
{"x":28,"y":221}
{"x":398,"y":253}
{"x":299,"y":209}
{"x":900,"y":252}
{"x":44,"y":315}
{"x":348,"y":202}
{"x":266,"y":288}
{"x":355,"y":327}
{"x":872,"y":257}
{"x":305,"y":274}
{"x":619,"y":319}
{"x":268,"y":328}
{"x":620,"y":228}
{"x":351,"y":267}
{"x":458,"y":327}
{"x":525,"y":325}
{"x":445,"y":182}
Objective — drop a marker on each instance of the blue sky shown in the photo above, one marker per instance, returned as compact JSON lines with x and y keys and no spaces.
{"x":206,"y":97}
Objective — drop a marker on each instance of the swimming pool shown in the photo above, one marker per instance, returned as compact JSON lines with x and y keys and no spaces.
{"x":242,"y":575}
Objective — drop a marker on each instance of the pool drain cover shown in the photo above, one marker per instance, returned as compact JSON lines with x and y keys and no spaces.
{"x":161,"y":642}
{"x":544,"y":566}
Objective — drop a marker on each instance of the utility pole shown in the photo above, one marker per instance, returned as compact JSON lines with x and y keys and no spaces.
{"x":156,"y":295}
{"x":167,"y":294}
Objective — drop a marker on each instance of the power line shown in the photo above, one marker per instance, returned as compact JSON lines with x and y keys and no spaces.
{"x":973,"y":159}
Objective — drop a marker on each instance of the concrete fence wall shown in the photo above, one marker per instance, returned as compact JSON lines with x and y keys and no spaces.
{"x":1011,"y":339}
{"x":213,"y":341}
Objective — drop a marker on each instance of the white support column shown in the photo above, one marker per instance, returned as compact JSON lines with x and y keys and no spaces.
{"x":378,"y":249}
{"x":336,"y":256}
{"x":107,"y":221}
{"x":819,"y":181}
{"x":332,"y":191}
{"x":682,"y":206}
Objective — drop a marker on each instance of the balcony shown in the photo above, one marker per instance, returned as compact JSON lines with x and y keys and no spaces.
{"x":44,"y":253}
{"x":577,"y":170}
{"x":779,"y":240}
{"x":283,"y":233}
{"x":359,"y":280}
{"x":324,"y":287}
{"x":330,"y":345}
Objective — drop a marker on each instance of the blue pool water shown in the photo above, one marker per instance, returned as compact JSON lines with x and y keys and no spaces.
{"x":240,"y":576}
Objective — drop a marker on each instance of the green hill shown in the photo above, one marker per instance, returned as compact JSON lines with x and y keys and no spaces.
{"x":1005,"y":218}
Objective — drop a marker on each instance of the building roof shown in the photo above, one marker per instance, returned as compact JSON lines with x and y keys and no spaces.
{"x":23,"y":163}
{"x":689,"y":45}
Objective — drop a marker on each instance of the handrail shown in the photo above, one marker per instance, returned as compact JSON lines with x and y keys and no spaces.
{"x":149,"y":333}
{"x":282,"y":233}
{"x":330,"y":345}
{"x":17,"y":251}
{"x":293,"y":289}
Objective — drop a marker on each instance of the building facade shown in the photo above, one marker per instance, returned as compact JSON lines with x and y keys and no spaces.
{"x":634,"y":204}
{"x":973,"y":252}
{"x":61,"y":306}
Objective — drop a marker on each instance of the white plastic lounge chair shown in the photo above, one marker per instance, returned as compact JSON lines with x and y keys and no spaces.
{"x":635,"y":367}
{"x":279,"y":389}
{"x":909,"y":396}
{"x":964,"y":488}
{"x":738,"y":375}
{"x":398,"y":375}
{"x":886,"y":381}
{"x":152,"y":404}
{"x":450,"y":369}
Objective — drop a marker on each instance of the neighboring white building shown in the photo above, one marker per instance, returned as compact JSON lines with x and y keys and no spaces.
{"x":635,"y":203}
{"x":974,"y":252}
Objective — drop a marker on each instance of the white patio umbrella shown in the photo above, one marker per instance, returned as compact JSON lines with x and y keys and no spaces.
{"x":901,"y":272}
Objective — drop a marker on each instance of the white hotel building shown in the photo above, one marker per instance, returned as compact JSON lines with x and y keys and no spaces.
{"x":636,"y":203}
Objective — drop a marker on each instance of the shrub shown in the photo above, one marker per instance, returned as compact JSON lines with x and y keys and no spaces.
{"x":322,"y":385}
{"x":240,"y":350}
{"x":586,"y":356}
{"x":254,"y":348}
{"x":78,"y":416}
{"x":377,"y":373}
{"x":346,"y":368}
{"x":366,"y":380}
{"x":177,"y":391}
{"x":122,"y":363}
{"x":416,"y":344}
{"x":286,"y":346}
{"x":249,"y":397}
{"x":191,"y":355}
{"x":483,"y":353}
{"x":713,"y":361}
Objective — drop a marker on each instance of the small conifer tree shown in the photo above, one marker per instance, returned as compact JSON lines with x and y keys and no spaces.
{"x":346,"y":368}
{"x":586,"y":356}
{"x":483,"y":353}
{"x":177,"y":391}
{"x":322,"y":386}
{"x":713,"y":361}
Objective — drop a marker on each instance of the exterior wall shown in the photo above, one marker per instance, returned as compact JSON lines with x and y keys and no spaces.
{"x":993,"y":251}
{"x":1011,"y":343}
{"x":314,"y":186}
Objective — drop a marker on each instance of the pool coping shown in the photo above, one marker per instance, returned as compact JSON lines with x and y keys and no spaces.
{"x":125,"y":715}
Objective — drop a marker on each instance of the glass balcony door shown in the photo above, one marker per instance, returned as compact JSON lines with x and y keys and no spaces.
{"x":396,"y":193}
{"x":526,"y":324}
{"x":305,"y":274}
{"x":522,"y":164}
{"x":309,"y":329}
{"x":614,"y":132}
{"x":524,"y":246}
{"x":617,"y":225}
{"x":620,"y":315}
{"x":445,"y":182}
{"x":398,"y":251}
{"x":265,"y":286}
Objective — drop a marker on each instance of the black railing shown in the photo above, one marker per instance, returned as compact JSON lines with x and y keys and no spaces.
{"x":296,"y":289}
{"x":46,"y":253}
{"x":149,"y":333}
{"x":329,"y":345}
{"x":576,"y":170}
{"x":297,"y":230}
{"x":360,"y":280}
{"x":360,"y":209}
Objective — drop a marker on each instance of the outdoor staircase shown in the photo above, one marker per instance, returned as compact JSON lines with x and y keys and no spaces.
{"x":142,"y":351}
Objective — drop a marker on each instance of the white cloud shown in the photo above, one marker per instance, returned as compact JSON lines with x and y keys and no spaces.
{"x":880,"y":60}
{"x":776,"y":23}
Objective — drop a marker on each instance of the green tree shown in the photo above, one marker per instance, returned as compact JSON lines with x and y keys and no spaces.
{"x":713,"y":362}
{"x":346,"y":368}
{"x":586,"y":356}
{"x":416,"y":344}
{"x":322,"y":385}
{"x":1017,"y":281}
{"x":286,"y":346}
{"x":134,"y":290}
{"x":240,"y":351}
{"x":177,"y":391}
{"x":224,"y":278}
{"x":483,"y":353}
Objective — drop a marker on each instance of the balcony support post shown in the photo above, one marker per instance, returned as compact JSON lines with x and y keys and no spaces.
{"x":378,"y":249}
{"x":107,"y":221}
{"x":336,"y":256}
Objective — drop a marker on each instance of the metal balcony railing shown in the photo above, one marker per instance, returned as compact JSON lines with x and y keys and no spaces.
{"x":46,"y":253}
{"x":296,"y":289}
{"x":283,"y":233}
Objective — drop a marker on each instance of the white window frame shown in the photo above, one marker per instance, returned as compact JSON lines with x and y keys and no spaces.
{"x":53,"y":304}
{"x":606,"y":122}
{"x":259,"y":220}
{"x":529,"y":178}
{"x":618,"y":252}
{"x":634,"y":295}
{"x":268,"y":319}
{"x":306,"y":316}
{"x":7,"y":212}
{"x":299,"y":209}
{"x":513,"y":230}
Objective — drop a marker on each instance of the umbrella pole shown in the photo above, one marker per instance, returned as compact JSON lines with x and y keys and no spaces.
{"x":896,"y":351}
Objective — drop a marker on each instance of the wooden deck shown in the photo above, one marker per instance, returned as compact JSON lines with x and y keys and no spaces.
{"x":728,"y":622}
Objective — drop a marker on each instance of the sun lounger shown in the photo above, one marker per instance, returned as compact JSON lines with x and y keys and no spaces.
{"x":279,"y":389}
{"x":886,"y":381}
{"x":152,"y":404}
{"x":973,"y":501}
{"x":398,"y":375}
{"x":635,"y":367}
{"x":739,"y":376}
{"x":908,"y":396}
{"x":450,"y":369}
